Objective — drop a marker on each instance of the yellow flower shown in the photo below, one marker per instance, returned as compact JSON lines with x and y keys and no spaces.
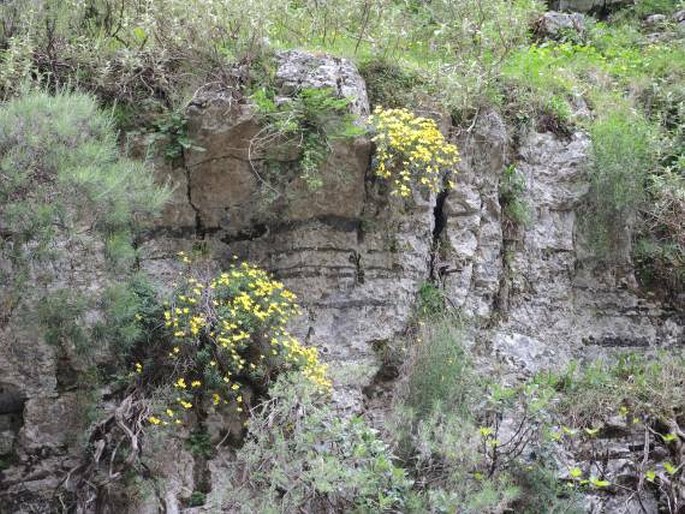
{"x":154,"y":420}
{"x":181,"y":383}
{"x":195,"y":383}
{"x":411,"y":148}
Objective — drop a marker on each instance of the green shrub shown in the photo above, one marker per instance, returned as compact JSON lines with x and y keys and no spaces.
{"x":65,"y":192}
{"x":439,"y":368}
{"x":391,"y":84}
{"x":61,"y":170}
{"x":649,"y":388}
{"x":642,"y":393}
{"x":172,"y":128}
{"x":446,"y":427}
{"x":131,"y":313}
{"x":623,"y":146}
{"x":430,"y":302}
{"x":301,"y":455}
{"x":200,"y":444}
{"x":197,"y":499}
{"x":61,"y":314}
{"x":660,"y":250}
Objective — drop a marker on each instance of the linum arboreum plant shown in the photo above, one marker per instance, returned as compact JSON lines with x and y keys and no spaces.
{"x":228,"y":339}
{"x":411,"y":151}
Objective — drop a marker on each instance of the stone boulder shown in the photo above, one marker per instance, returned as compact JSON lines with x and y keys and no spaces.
{"x":586,"y":6}
{"x":557,"y":25}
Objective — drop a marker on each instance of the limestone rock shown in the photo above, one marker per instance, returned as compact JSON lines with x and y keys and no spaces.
{"x":584,"y":6}
{"x":556,"y":25}
{"x":297,"y":70}
{"x":654,"y":20}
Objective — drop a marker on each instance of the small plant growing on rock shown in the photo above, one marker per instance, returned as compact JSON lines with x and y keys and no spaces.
{"x":309,"y":121}
{"x":228,"y":339}
{"x":512,"y":197}
{"x":411,"y":151}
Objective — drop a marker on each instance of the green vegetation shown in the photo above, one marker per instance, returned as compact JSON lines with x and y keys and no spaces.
{"x":61,"y":170}
{"x":623,"y":147}
{"x":430,"y":302}
{"x":65,"y":192}
{"x":441,"y":372}
{"x":447,"y":426}
{"x":308,"y":123}
{"x":630,"y":393}
{"x":411,"y":55}
{"x":456,"y":438}
{"x":172,"y":129}
{"x":647,"y":389}
{"x":301,"y":455}
{"x":512,"y":189}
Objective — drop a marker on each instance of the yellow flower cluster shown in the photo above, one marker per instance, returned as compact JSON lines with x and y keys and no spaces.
{"x":410,"y":150}
{"x":229,"y":333}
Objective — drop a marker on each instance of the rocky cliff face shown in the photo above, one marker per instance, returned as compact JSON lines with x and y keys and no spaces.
{"x":357,"y":257}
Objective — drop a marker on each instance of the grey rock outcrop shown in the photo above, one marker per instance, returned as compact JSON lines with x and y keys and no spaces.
{"x":552,"y":303}
{"x":356,"y":257}
{"x":556,"y":25}
{"x":585,"y":6}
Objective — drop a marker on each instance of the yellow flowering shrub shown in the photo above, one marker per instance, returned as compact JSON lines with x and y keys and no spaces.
{"x":410,"y":150}
{"x":227,"y":335}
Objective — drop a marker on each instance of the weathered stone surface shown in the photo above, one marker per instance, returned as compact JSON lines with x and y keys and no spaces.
{"x":585,"y":6}
{"x":654,"y":20}
{"x":470,"y":263}
{"x":556,"y":25}
{"x":51,"y":422}
{"x":297,"y":70}
{"x":356,"y":257}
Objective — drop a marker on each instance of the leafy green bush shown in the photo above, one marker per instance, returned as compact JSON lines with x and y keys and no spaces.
{"x":391,"y":84}
{"x":131,"y":313}
{"x":301,"y":455}
{"x":61,"y":171}
{"x":660,"y":252}
{"x":61,"y":314}
{"x":649,"y":388}
{"x":643,"y":394}
{"x":172,"y":128}
{"x":430,"y":302}
{"x":446,"y":427}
